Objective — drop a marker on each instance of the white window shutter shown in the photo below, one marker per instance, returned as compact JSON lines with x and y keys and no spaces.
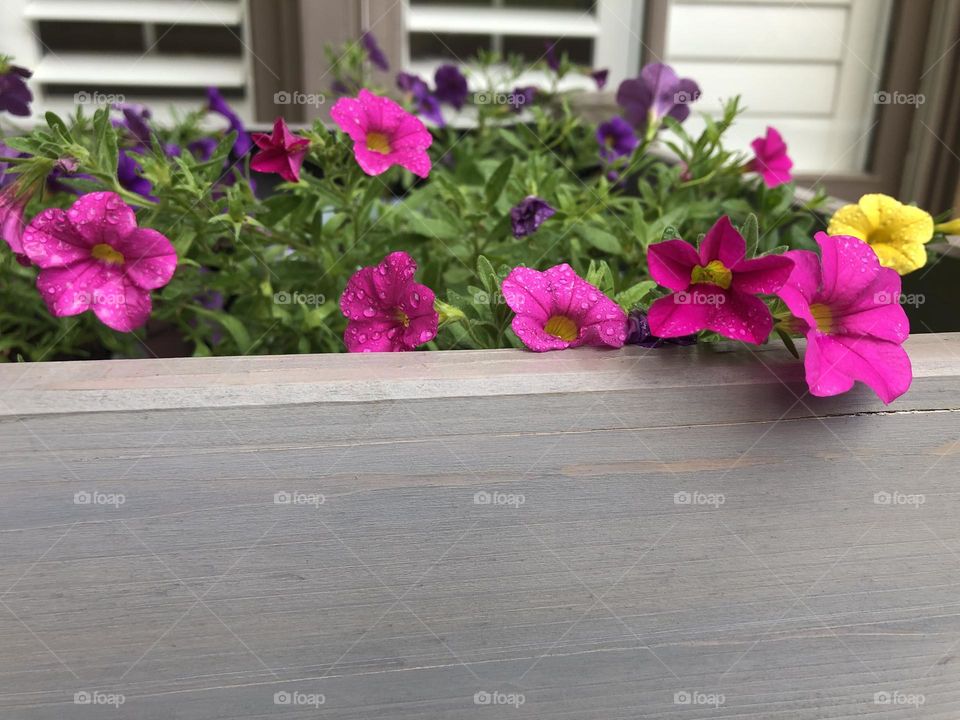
{"x":165,"y":81}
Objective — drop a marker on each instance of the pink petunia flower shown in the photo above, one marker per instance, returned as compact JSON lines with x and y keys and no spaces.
{"x":383,"y":134}
{"x":13,"y":204}
{"x":771,"y":160}
{"x":556,"y":309}
{"x":93,"y":256}
{"x":848,"y":306}
{"x":281,"y":153}
{"x":716,"y":288}
{"x":386,"y":310}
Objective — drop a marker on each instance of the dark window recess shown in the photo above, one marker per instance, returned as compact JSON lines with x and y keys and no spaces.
{"x":453,"y":47}
{"x":581,"y":5}
{"x":199,"y":40}
{"x":64,"y":36}
{"x":66,"y":90}
{"x":532,"y":49}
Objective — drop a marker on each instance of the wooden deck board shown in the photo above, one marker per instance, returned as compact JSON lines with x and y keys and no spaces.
{"x":587,"y":585}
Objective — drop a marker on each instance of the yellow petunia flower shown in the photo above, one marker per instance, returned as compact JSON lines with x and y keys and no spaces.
{"x":949,"y":228}
{"x":896,"y":232}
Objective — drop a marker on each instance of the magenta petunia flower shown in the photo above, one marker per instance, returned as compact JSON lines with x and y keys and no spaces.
{"x":386,"y":310}
{"x":13,"y":204}
{"x":383,"y":134}
{"x":658,"y":92}
{"x":93,"y":256}
{"x":281,"y":153}
{"x":716,"y":288}
{"x":848,"y":306}
{"x":557,"y":309}
{"x":771,"y":160}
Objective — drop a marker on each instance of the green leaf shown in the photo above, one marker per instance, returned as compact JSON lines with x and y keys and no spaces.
{"x":788,"y":342}
{"x":498,"y":181}
{"x":231,"y":324}
{"x":58,"y":126}
{"x":751,"y":234}
{"x":488,"y":276}
{"x":632,"y":296}
{"x":601,"y":240}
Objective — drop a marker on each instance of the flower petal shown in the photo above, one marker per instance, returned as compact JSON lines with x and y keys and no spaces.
{"x":374,"y":335}
{"x":802,"y":285}
{"x":359,"y":300}
{"x":850,"y":220}
{"x":675,"y":315}
{"x":392,"y":277}
{"x":740,"y":317}
{"x":102,"y":217}
{"x":50,"y":240}
{"x":532,"y":334}
{"x":149,"y":258}
{"x":848,"y":267}
{"x":70,"y":290}
{"x":121,"y":305}
{"x":839,"y":360}
{"x":671,"y":263}
{"x":525,"y":292}
{"x":904,"y":259}
{"x":724,"y":243}
{"x":349,"y":115}
{"x":762,"y":275}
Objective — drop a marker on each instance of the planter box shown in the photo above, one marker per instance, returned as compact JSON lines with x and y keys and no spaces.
{"x":448,"y":535}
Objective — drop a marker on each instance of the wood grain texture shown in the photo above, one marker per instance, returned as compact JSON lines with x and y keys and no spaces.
{"x":661,"y":525}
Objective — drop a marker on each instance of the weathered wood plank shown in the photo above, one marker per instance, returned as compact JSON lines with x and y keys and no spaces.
{"x":786,"y":585}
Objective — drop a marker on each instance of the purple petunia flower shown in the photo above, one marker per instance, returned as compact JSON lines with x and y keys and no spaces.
{"x":616,"y":138}
{"x":135,"y":119}
{"x":374,"y":53}
{"x":15,"y":96}
{"x":600,"y":78}
{"x":638,"y":333}
{"x":128,"y":173}
{"x":203,"y":148}
{"x":427,"y":104}
{"x":658,"y":92}
{"x":217,"y":104}
{"x":553,"y":62}
{"x":521,"y":97}
{"x":451,"y":86}
{"x":529,"y":214}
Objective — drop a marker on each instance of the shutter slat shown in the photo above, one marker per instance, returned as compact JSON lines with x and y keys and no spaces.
{"x":95,"y":71}
{"x":501,"y":21}
{"x":181,"y":12}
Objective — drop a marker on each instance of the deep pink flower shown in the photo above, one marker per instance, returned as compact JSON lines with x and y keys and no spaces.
{"x":715,"y":288}
{"x":13,"y":203}
{"x":557,"y":309}
{"x":281,"y":153}
{"x":93,"y":256}
{"x":771,"y":161}
{"x":849,"y":308}
{"x":383,"y":134}
{"x":386,"y":310}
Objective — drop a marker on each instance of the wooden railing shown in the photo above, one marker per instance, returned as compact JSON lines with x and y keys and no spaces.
{"x":495,"y":534}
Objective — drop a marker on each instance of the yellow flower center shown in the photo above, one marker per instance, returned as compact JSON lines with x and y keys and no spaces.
{"x":822,"y":316}
{"x":713,"y":273}
{"x":107,"y":254}
{"x":377,"y":142}
{"x":401,"y":317}
{"x":562,"y":327}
